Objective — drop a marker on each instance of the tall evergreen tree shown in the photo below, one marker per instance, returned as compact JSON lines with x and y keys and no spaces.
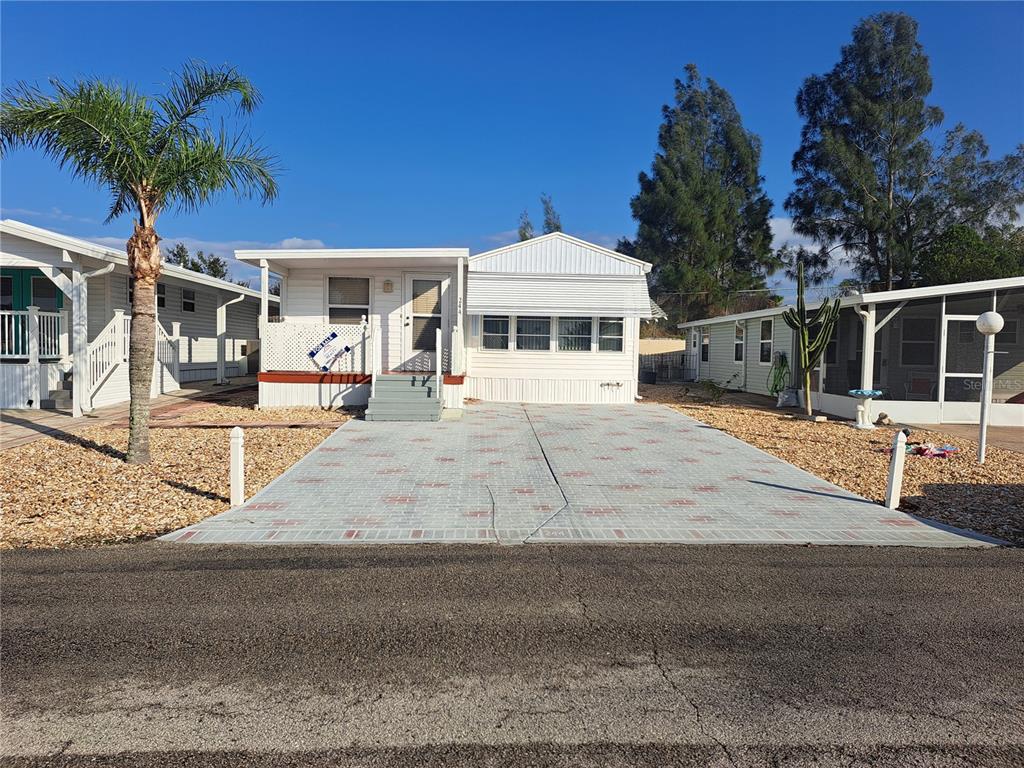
{"x":702,"y":211}
{"x":870,"y":185}
{"x":525,"y":227}
{"x":552,"y":221}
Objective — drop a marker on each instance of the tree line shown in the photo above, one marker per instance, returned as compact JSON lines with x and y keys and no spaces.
{"x":877,"y":187}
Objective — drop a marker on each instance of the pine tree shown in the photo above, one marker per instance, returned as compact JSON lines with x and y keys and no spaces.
{"x":525,"y":227}
{"x":870,"y":186}
{"x":702,"y":211}
{"x":552,"y":221}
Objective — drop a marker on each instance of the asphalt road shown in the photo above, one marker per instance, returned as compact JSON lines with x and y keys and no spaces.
{"x":154,"y":655}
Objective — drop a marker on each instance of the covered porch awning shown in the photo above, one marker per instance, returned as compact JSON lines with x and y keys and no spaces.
{"x":496,"y":293}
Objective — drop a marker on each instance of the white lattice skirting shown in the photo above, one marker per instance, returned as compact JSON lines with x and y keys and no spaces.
{"x":286,"y":346}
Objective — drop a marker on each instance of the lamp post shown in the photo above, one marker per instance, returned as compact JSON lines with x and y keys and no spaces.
{"x":988,"y":325}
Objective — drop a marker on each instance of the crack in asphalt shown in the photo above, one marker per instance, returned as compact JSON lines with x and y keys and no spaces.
{"x":663,"y":670}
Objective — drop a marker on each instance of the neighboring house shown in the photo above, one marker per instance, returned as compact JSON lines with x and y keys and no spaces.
{"x":65,"y":316}
{"x":927,"y":354}
{"x":549,"y":320}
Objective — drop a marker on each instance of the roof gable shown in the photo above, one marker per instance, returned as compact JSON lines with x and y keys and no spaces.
{"x":557,"y":253}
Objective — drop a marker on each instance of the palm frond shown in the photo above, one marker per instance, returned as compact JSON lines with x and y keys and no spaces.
{"x":191,"y":94}
{"x":206,"y":164}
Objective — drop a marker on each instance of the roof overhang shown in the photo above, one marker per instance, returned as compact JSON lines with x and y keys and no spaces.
{"x":281,"y":261}
{"x":109,"y":255}
{"x":498,"y":293}
{"x":877,"y":297}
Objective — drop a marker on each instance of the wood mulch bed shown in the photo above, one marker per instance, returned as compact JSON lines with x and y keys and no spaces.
{"x":986,"y":498}
{"x":76,"y":490}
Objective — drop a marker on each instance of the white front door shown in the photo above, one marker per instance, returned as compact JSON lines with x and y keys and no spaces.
{"x":425,"y":310}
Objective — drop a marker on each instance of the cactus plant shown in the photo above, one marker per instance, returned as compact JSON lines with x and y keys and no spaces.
{"x":810,"y":350}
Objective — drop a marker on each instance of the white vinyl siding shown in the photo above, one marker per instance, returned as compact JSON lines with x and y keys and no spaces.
{"x":553,"y":256}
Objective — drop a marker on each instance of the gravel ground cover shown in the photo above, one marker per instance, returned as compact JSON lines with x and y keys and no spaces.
{"x":76,"y":490}
{"x":957,"y":491}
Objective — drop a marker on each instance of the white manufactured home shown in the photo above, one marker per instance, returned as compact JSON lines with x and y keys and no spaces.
{"x":409,"y":331}
{"x":926,"y":353}
{"x":65,"y":318}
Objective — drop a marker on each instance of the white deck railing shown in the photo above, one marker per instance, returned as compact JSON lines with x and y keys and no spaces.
{"x":17,"y":333}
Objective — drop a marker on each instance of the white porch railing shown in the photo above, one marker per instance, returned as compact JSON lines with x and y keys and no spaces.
{"x":17,"y":333}
{"x":286,"y":346}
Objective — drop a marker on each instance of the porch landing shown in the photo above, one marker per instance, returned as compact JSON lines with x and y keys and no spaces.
{"x":508,"y":473}
{"x":23,"y":425}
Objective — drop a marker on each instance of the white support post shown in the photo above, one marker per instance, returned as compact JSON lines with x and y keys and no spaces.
{"x":264,"y":292}
{"x":460,"y":319}
{"x":65,"y":330}
{"x":895,"y":484}
{"x":80,"y":383}
{"x":176,"y":338}
{"x":867,"y":361}
{"x":237,"y":467}
{"x":33,"y":354}
{"x":439,"y":358}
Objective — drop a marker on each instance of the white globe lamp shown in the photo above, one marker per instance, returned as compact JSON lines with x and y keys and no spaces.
{"x":988,"y":325}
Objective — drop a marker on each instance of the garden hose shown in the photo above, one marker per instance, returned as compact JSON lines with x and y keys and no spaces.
{"x":778,"y":374}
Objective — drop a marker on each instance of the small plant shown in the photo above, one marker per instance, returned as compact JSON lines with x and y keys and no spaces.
{"x":714,"y":392}
{"x":810,"y":350}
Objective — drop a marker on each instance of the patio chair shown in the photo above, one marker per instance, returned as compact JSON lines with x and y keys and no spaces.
{"x":920,"y":388}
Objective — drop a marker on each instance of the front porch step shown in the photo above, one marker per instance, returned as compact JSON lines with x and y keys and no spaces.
{"x":59,"y":399}
{"x":404,"y":397}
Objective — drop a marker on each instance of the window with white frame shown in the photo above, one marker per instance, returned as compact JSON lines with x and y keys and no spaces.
{"x":1008,"y":336}
{"x":161,"y":295}
{"x":533,"y":333}
{"x":766,"y":341}
{"x":918,"y":342}
{"x":610,"y":333}
{"x":737,"y":353}
{"x":495,"y":332}
{"x":705,"y":344}
{"x":188,"y":300}
{"x":348,"y":299}
{"x":574,"y":334}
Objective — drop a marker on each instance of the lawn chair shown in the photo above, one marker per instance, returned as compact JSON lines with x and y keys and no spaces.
{"x":920,"y":388}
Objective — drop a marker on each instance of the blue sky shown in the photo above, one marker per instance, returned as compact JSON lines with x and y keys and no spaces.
{"x":436,"y":124}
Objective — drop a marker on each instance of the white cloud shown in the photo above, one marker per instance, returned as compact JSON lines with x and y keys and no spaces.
{"x":54,"y":214}
{"x":504,"y":237}
{"x":223,"y":248}
{"x":783,"y":234}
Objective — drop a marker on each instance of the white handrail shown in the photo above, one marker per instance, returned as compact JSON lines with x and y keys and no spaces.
{"x":106,"y":351}
{"x":439,"y":358}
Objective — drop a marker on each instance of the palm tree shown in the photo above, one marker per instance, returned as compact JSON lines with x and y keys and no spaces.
{"x":151,"y":154}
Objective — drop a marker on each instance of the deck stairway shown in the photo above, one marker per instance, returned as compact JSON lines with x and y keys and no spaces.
{"x":405,"y":397}
{"x":59,"y":399}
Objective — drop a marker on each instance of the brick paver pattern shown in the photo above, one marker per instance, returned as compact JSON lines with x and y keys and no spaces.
{"x":508,"y":473}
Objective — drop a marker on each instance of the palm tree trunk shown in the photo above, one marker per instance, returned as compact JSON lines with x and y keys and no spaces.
{"x":144,"y":264}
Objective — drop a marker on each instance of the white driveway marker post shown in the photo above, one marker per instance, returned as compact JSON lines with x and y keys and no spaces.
{"x":895,"y":484}
{"x":237,"y":467}
{"x":988,"y":325}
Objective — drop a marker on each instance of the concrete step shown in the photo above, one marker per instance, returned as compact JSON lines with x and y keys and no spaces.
{"x":387,"y":410}
{"x":406,"y":395}
{"x":55,"y":403}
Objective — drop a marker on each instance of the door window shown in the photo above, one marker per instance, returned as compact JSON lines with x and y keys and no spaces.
{"x":426,"y":314}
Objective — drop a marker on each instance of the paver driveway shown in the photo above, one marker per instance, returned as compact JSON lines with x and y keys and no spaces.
{"x":519,"y":473}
